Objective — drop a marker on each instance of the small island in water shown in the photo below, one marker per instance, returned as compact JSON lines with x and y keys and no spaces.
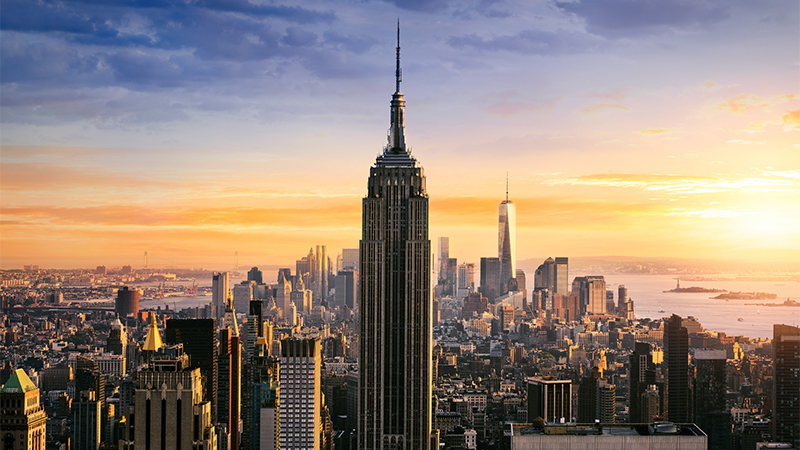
{"x":693,"y":289}
{"x":747,"y":296}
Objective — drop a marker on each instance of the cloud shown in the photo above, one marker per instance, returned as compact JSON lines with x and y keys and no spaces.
{"x":428,"y":6}
{"x":602,"y":108}
{"x":684,"y":184}
{"x":745,"y":103}
{"x":529,"y":42}
{"x":652,"y":131}
{"x":357,"y":44}
{"x":621,"y":18}
{"x":792,"y":119}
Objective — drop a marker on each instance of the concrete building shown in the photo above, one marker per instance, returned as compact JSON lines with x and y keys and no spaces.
{"x":23,"y":423}
{"x":663,"y":436}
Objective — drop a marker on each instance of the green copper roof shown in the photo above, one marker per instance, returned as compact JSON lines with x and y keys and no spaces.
{"x":18,"y":383}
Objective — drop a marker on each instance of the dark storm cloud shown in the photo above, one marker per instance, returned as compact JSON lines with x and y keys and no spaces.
{"x":529,"y":42}
{"x":619,"y":18}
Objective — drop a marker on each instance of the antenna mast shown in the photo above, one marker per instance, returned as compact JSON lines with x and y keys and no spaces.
{"x":506,"y":187}
{"x":398,"y":73}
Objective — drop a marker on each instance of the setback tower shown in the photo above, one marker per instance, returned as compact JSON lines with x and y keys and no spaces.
{"x":394,"y":399}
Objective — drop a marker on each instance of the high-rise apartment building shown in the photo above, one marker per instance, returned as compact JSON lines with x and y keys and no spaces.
{"x":300,"y":394}
{"x":786,"y":394}
{"x":676,"y":371}
{"x":507,"y":242}
{"x":220,"y":285}
{"x":117,"y":342}
{"x":24,"y":421}
{"x":199,"y":339}
{"x":395,"y":300}
{"x":255,"y":275}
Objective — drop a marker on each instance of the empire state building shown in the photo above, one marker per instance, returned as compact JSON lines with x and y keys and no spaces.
{"x":394,"y":401}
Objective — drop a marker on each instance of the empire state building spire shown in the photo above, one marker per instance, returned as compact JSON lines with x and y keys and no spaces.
{"x":395,"y":153}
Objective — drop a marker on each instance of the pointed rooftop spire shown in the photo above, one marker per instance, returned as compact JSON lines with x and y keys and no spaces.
{"x":153,"y":340}
{"x":506,"y":187}
{"x":395,"y":153}
{"x":19,"y":382}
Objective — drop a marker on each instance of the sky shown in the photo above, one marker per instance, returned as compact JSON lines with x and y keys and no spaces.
{"x":194,"y":129}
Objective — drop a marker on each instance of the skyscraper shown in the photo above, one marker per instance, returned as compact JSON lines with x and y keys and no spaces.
{"x":676,"y":370}
{"x":550,"y":400}
{"x":490,"y":278}
{"x":507,"y":241}
{"x":220,"y":285}
{"x":395,"y":298}
{"x":444,"y":255}
{"x":199,"y":339}
{"x":127,"y":302}
{"x":642,"y":376}
{"x":300,"y":394}
{"x":786,"y":341}
{"x":24,"y":421}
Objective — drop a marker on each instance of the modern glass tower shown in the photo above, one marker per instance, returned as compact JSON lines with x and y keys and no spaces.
{"x":507,"y":242}
{"x":394,"y":399}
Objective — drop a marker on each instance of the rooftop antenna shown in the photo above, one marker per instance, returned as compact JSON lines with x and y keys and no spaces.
{"x":506,"y":187}
{"x":398,"y":73}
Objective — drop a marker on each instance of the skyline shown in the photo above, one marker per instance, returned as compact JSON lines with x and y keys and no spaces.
{"x":623,"y":132}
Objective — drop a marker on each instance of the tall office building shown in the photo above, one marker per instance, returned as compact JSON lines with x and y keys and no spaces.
{"x":229,"y":381}
{"x":127,"y":302}
{"x":622,"y":299}
{"x":395,"y":298}
{"x":642,"y":376}
{"x":350,"y":259}
{"x":220,"y":285}
{"x":24,"y":421}
{"x":300,"y":394}
{"x":490,"y":278}
{"x":710,"y":387}
{"x":255,"y":275}
{"x":561,"y":276}
{"x":199,"y":339}
{"x":170,"y":412}
{"x":346,"y":283}
{"x":466,"y":278}
{"x":676,"y":371}
{"x":786,"y":395}
{"x":261,"y":406}
{"x":117,"y":342}
{"x":444,"y":255}
{"x":507,"y":242}
{"x":592,"y":293}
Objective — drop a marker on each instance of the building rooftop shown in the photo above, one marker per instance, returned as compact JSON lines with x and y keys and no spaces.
{"x":608,"y":429}
{"x":18,"y":383}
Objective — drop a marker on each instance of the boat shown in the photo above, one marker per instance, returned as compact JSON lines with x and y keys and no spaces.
{"x":661,"y":312}
{"x":740,"y":319}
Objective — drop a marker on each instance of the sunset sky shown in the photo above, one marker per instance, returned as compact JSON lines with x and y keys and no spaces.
{"x":193,"y":129}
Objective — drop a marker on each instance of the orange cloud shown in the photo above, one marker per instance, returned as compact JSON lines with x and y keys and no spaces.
{"x":743,"y":103}
{"x":601,"y":108}
{"x":651,"y":131}
{"x":792,"y":119}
